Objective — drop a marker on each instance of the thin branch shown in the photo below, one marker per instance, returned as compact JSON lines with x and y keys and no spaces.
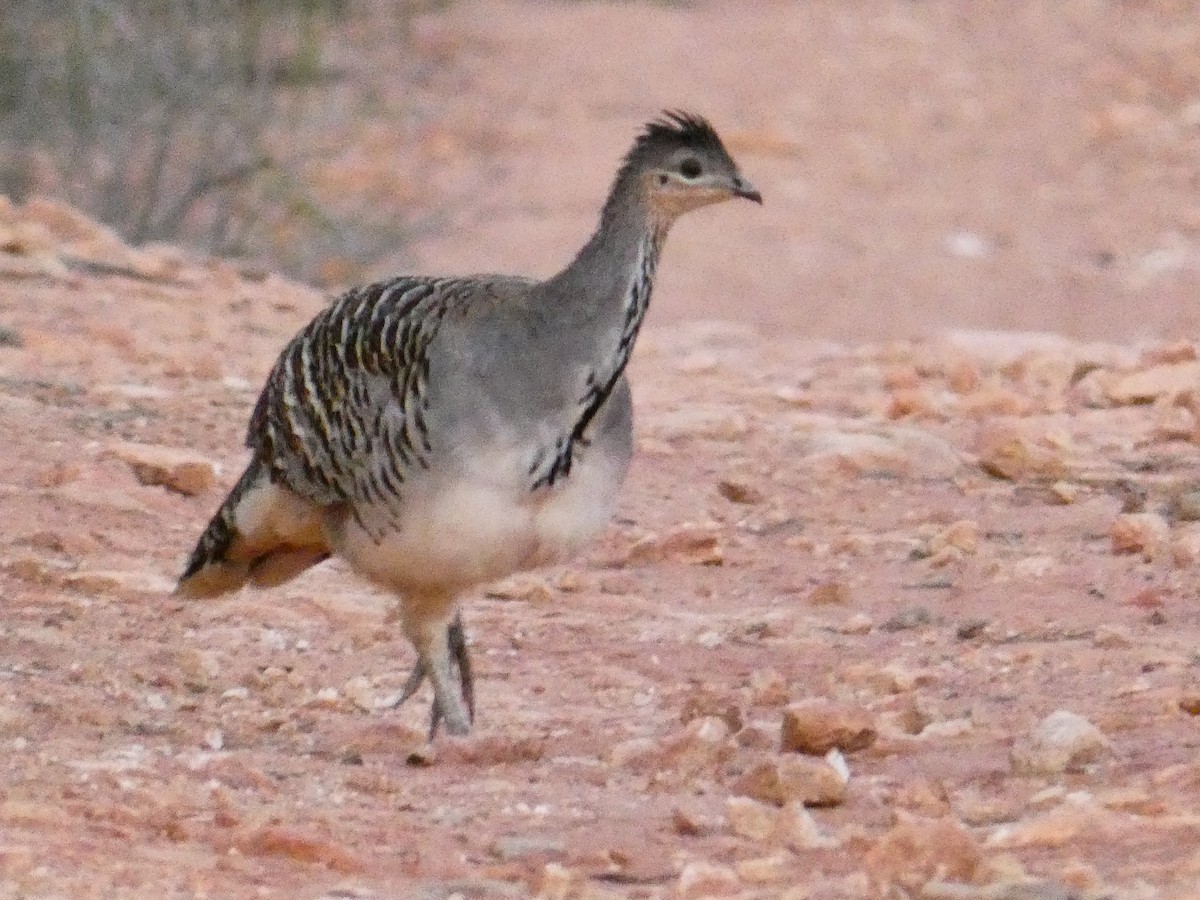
{"x":204,"y":185}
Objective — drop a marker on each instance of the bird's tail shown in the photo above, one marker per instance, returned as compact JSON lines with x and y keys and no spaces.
{"x":209,"y":571}
{"x":262,"y":534}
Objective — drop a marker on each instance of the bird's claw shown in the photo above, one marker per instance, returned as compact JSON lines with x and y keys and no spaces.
{"x":460,"y":654}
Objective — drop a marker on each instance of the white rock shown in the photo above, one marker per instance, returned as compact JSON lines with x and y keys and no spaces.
{"x":751,"y":819}
{"x":1061,"y":741}
{"x":968,"y":245}
{"x":358,"y":691}
{"x":704,"y":879}
{"x":800,"y":831}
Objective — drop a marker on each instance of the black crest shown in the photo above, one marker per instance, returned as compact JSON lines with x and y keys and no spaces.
{"x":674,"y":129}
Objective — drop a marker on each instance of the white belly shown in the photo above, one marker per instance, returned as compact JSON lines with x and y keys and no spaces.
{"x":453,"y":535}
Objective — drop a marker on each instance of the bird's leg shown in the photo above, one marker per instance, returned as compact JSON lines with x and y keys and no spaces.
{"x":441,"y":651}
{"x":457,"y":637}
{"x":416,"y":678}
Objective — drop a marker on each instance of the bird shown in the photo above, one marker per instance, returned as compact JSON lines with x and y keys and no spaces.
{"x":440,"y":433}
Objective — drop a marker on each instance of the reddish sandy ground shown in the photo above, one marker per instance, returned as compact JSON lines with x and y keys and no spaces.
{"x":948,"y":539}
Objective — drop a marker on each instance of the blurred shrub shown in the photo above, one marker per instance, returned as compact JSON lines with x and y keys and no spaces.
{"x":157,"y":116}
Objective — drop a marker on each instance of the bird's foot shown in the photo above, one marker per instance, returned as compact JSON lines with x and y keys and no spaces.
{"x":458,"y":714}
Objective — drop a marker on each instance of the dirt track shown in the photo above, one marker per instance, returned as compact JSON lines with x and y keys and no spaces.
{"x":949,"y":538}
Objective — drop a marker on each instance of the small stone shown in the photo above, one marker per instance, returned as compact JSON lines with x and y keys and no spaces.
{"x":706,"y":701}
{"x":57,"y":474}
{"x":962,"y":536}
{"x":908,"y":618}
{"x":947,"y":728}
{"x":768,"y":688}
{"x":1144,"y":533}
{"x":799,"y":830}
{"x":698,"y":362}
{"x":830,"y":593}
{"x":1047,"y":797}
{"x":519,"y":846}
{"x":325,"y":698}
{"x":917,"y":850}
{"x":179,"y":470}
{"x":1065,"y":492}
{"x":963,"y":375}
{"x":751,"y":819}
{"x":636,"y":753}
{"x":909,"y":715}
{"x":1134,"y":800}
{"x":1112,"y":637}
{"x":1186,"y":506}
{"x":557,"y":883}
{"x":992,"y":401}
{"x":689,"y":820}
{"x":688,"y":543}
{"x":1173,"y":420}
{"x":1185,"y":548}
{"x":1189,"y":701}
{"x":967,"y":245}
{"x":358,"y":691}
{"x":704,"y":744}
{"x":779,"y":779}
{"x":850,"y":545}
{"x":704,"y":879}
{"x":898,"y":449}
{"x":971,"y":629}
{"x":198,"y":666}
{"x":925,"y":796}
{"x":1173,"y":352}
{"x":1177,"y":778}
{"x":13,"y":720}
{"x":1006,"y":452}
{"x":763,"y":869}
{"x":1149,"y":598}
{"x":740,"y":492}
{"x":525,"y":588}
{"x":917,"y":403}
{"x":817,"y":725}
{"x":857,"y":624}
{"x":292,"y":843}
{"x":570,"y":581}
{"x":977,"y":810}
{"x":619,"y":584}
{"x":710,"y":639}
{"x":757,"y":736}
{"x":1055,"y":828}
{"x":1036,"y":566}
{"x":421,"y":757}
{"x":1062,"y":741}
{"x":1154,"y":382}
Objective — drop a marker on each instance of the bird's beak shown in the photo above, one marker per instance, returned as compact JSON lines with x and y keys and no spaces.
{"x":743,"y":188}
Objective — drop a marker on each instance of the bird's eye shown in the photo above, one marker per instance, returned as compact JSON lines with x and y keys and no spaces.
{"x":690,"y":168}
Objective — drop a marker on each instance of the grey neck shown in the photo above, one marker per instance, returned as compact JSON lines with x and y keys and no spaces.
{"x":618,"y":262}
{"x":605,"y":292}
{"x":607,"y":286}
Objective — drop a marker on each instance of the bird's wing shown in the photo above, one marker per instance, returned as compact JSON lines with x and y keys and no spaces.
{"x":341,"y":420}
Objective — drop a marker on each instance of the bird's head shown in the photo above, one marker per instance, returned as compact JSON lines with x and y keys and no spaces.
{"x":679,"y":164}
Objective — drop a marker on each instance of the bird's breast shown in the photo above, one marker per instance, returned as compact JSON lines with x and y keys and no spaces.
{"x":457,"y":530}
